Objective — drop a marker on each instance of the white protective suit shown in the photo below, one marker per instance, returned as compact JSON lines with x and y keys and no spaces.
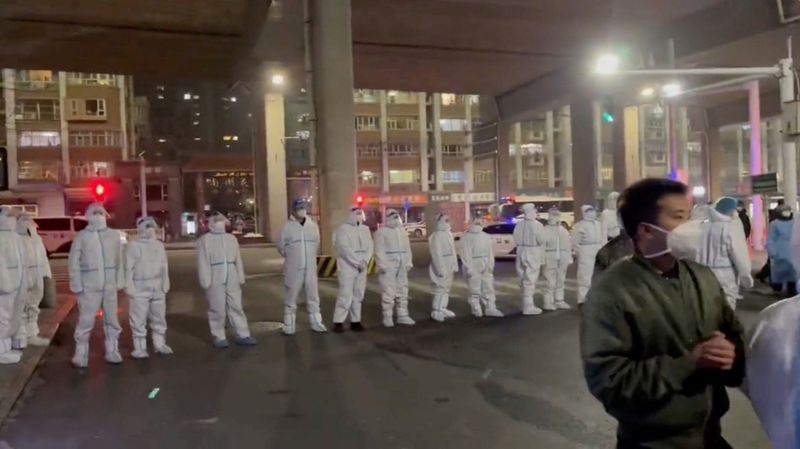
{"x":221,"y":273}
{"x":588,"y":237}
{"x":147,"y":284}
{"x":723,"y":248}
{"x":528,"y":235}
{"x":96,"y":273}
{"x":299,"y":245}
{"x":354,"y":248}
{"x":13,"y":283}
{"x":773,"y":372}
{"x":558,"y":257}
{"x":37,"y":267}
{"x":610,"y":217}
{"x":477,"y":256}
{"x":394,"y":260}
{"x":444,"y":264}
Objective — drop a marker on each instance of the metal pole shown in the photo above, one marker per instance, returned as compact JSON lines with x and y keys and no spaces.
{"x":789,"y":144}
{"x":755,"y":162}
{"x":143,"y":185}
{"x":732,"y":71}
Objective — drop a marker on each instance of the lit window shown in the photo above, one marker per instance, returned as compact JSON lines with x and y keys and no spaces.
{"x":227,"y":138}
{"x":160,"y":97}
{"x":366,"y":122}
{"x":368,"y":178}
{"x":195,"y":123}
{"x":187,"y":96}
{"x":235,"y":138}
{"x":403,"y":176}
{"x":452,"y":177}
{"x":195,"y":97}
{"x":197,"y":139}
{"x":233,"y":99}
{"x":162,"y":140}
{"x":39,"y":139}
{"x":453,"y":124}
{"x":96,"y":108}
{"x":448,"y":99}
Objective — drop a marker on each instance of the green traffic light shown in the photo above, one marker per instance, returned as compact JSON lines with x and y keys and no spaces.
{"x":608,"y":117}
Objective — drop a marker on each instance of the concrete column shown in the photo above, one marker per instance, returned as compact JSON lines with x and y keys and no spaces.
{"x":716,"y":162}
{"x":9,"y":90}
{"x":502,"y":178}
{"x":275,"y":169}
{"x":384,"y":143}
{"x":755,"y":162}
{"x":62,"y":102}
{"x":424,"y":172}
{"x":584,"y":164}
{"x":597,"y":128}
{"x":739,"y":154}
{"x":517,"y":141}
{"x":619,"y":148}
{"x":776,"y":137}
{"x":631,"y":172}
{"x":682,"y":133}
{"x":200,"y":194}
{"x":123,"y":116}
{"x":333,"y":93}
{"x":549,"y":146}
{"x":437,"y":141}
{"x":175,"y":193}
{"x":469,"y":162}
{"x":789,"y":172}
{"x":565,"y":146}
{"x":642,"y":135}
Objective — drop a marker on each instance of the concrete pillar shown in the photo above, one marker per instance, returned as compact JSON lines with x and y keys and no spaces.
{"x":682,"y":139}
{"x":275,"y":169}
{"x":755,"y":162}
{"x":549,"y":146}
{"x":565,"y":146}
{"x":630,"y":171}
{"x":584,"y":164}
{"x":62,"y":101}
{"x":517,"y":141}
{"x":122,"y":86}
{"x":619,"y":148}
{"x":776,"y":138}
{"x":502,"y":178}
{"x":200,"y":194}
{"x":9,"y":90}
{"x":597,"y":128}
{"x":424,"y":172}
{"x":716,"y":162}
{"x":384,"y":130}
{"x":739,"y":154}
{"x":437,"y":141}
{"x":469,"y":162}
{"x":333,"y":92}
{"x":175,"y":193}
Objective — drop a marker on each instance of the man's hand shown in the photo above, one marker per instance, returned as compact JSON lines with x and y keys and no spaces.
{"x":715,"y":353}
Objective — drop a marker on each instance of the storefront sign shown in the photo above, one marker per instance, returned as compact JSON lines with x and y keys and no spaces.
{"x":439,"y":197}
{"x":473,"y":197}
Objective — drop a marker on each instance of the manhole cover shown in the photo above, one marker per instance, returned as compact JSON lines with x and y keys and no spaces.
{"x":262,"y":327}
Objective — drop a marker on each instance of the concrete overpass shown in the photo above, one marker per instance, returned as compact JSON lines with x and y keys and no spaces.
{"x":529,"y":56}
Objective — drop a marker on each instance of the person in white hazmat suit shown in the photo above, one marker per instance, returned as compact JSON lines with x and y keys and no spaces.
{"x":610,"y":216}
{"x":528,"y":235}
{"x":444,"y":264}
{"x":588,"y":237}
{"x":221,"y":274}
{"x":477,"y":256}
{"x":147,"y":284}
{"x":773,"y":372}
{"x":96,"y":273}
{"x":37,"y":267}
{"x":558,"y":257}
{"x":723,"y":248}
{"x":13,"y":282}
{"x":299,"y":245}
{"x":394,"y":260}
{"x":354,"y":247}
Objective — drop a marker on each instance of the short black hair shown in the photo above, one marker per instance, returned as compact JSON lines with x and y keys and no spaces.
{"x":639,"y":202}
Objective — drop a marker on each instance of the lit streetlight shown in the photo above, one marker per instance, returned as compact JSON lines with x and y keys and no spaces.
{"x":278,"y":79}
{"x":671,"y":90}
{"x":607,"y":64}
{"x":648,"y":92}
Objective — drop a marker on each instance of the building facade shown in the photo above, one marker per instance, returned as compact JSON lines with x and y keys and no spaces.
{"x":61,"y":131}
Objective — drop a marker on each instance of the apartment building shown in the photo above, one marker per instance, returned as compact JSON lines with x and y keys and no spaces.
{"x":412,"y":144}
{"x":61,"y":131}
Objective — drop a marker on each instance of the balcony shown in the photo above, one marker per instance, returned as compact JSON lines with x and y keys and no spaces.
{"x":37,"y":85}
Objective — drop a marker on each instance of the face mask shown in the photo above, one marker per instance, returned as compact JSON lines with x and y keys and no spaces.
{"x":530,"y":214}
{"x":393,"y":222}
{"x":217,"y":226}
{"x":21,"y":227}
{"x":300,"y":213}
{"x":97,"y":220}
{"x":553,"y":221}
{"x":590,"y":215}
{"x":682,"y":242}
{"x":447,"y":226}
{"x":150,"y":233}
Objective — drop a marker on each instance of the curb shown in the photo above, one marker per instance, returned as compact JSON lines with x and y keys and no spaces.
{"x":28,"y":365}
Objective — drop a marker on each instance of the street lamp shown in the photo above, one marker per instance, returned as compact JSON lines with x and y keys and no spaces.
{"x":278,"y":79}
{"x":648,"y":92}
{"x":607,"y":64}
{"x":670,"y":90}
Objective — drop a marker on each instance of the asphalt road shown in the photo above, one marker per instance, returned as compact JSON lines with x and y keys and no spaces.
{"x":513,"y":382}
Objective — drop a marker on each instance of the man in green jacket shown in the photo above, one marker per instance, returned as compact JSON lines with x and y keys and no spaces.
{"x":617,"y":248}
{"x":659,"y":343}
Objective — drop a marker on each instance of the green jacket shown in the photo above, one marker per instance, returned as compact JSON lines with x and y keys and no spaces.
{"x":637,"y":333}
{"x":617,"y":248}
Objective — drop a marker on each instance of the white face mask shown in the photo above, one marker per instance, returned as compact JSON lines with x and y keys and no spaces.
{"x":682,"y":242}
{"x":97,"y":219}
{"x":394,"y":222}
{"x":553,"y":220}
{"x":217,"y":226}
{"x":530,"y":214}
{"x":300,"y":213}
{"x":590,"y":215}
{"x":150,"y":233}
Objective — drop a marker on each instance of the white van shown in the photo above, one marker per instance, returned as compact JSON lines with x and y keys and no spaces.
{"x":58,"y":232}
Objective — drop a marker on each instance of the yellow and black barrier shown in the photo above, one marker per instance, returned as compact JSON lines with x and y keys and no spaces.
{"x":326,"y":266}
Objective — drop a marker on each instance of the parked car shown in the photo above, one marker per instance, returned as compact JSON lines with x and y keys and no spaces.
{"x":502,"y":235}
{"x":416,"y":230}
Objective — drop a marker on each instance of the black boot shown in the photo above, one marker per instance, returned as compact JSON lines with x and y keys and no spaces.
{"x":338,"y":328}
{"x":356,"y":327}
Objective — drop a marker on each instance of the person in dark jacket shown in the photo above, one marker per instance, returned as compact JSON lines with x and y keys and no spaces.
{"x":745,"y":219}
{"x":659,"y":342}
{"x":617,"y":248}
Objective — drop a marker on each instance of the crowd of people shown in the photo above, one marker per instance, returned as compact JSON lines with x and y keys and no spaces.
{"x":658,"y":280}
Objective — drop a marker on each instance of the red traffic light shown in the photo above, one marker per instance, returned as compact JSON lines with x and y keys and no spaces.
{"x":359,"y":200}
{"x":100,"y":190}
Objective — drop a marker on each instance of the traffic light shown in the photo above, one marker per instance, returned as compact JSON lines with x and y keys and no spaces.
{"x":607,"y":117}
{"x":359,"y":201}
{"x":100,"y":190}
